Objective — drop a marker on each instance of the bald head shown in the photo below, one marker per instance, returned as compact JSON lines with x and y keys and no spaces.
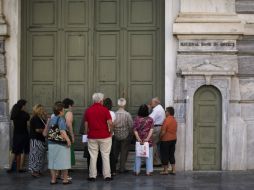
{"x":155,"y":102}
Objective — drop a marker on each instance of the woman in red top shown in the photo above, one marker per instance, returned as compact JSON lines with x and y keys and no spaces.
{"x":168,"y":141}
{"x":143,"y":130}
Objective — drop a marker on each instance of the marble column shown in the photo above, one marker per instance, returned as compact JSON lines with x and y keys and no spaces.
{"x":4,"y":116}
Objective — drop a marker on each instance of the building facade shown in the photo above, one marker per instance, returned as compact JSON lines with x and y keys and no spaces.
{"x":197,"y":55}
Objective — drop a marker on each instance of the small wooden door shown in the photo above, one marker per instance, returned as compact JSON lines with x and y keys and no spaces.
{"x":207,"y":129}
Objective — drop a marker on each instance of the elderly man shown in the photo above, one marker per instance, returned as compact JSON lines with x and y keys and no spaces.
{"x":158,"y":116}
{"x":122,"y":132}
{"x":98,"y":125}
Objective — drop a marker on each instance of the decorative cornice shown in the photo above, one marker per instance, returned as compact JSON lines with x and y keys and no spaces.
{"x":208,"y":24}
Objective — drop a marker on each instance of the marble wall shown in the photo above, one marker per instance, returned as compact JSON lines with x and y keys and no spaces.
{"x":4,"y":96}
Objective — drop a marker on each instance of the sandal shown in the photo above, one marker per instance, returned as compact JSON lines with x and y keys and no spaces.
{"x":35,"y":175}
{"x":149,"y":174}
{"x":67,"y":182}
{"x":172,"y":173}
{"x":164,"y":172}
{"x":53,"y":183}
{"x":136,"y":174}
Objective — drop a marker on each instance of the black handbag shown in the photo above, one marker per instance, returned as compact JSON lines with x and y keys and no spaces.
{"x":54,"y":134}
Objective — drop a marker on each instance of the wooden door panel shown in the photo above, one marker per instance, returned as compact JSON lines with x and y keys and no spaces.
{"x":76,"y":13}
{"x":207,"y":113}
{"x":75,"y":71}
{"x":107,"y":64}
{"x":107,"y":13}
{"x":43,"y":13}
{"x":207,"y":156}
{"x":142,"y":13}
{"x":207,"y":129}
{"x":42,"y":94}
{"x":141,"y":44}
{"x":207,"y":135}
{"x":42,"y":68}
{"x":140,"y":94}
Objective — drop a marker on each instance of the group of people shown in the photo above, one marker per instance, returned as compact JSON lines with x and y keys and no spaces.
{"x":109,"y":136}
{"x":32,"y":142}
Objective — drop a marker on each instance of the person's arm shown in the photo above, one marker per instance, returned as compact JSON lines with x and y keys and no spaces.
{"x":149,"y":135}
{"x":110,"y":125}
{"x":130,"y":121}
{"x":45,"y":131}
{"x":137,"y":136}
{"x":65,"y":136}
{"x":69,"y":120}
{"x":63,"y":127}
{"x":86,"y":127}
{"x":162,"y":132}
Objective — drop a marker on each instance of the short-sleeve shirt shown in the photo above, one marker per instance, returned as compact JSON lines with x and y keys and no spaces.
{"x":97,"y":116}
{"x":170,"y":128}
{"x":36,"y":123}
{"x":20,"y":123}
{"x":61,"y":122}
{"x":158,"y":115}
{"x":143,"y":125}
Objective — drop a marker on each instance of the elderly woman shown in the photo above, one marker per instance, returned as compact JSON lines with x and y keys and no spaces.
{"x":122,"y":129}
{"x":37,"y":140}
{"x":168,"y":141}
{"x":143,"y":130}
{"x":59,"y":154}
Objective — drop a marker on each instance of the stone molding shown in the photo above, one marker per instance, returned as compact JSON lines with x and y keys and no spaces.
{"x":208,"y":24}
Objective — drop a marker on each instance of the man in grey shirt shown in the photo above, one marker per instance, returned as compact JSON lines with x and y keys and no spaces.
{"x":122,"y":130}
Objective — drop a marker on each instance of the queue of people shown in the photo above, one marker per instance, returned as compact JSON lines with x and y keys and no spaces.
{"x":109,"y":136}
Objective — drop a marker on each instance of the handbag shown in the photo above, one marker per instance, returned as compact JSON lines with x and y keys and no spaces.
{"x":54,"y":134}
{"x":142,"y":150}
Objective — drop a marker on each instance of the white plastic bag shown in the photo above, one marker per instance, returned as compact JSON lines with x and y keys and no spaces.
{"x":142,"y":150}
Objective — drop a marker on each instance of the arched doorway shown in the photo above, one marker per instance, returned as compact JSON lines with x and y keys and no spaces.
{"x":207,"y":129}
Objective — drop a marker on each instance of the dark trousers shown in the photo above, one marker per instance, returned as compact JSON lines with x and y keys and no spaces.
{"x":167,"y":150}
{"x":122,"y":147}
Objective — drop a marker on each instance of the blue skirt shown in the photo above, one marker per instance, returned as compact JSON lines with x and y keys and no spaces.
{"x":59,"y":157}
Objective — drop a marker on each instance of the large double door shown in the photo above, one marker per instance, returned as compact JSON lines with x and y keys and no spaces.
{"x":73,"y":48}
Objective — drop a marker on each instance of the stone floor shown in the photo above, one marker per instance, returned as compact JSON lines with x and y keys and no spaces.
{"x":182,"y":181}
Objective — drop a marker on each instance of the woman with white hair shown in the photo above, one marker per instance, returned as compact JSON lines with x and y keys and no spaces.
{"x":122,"y":129}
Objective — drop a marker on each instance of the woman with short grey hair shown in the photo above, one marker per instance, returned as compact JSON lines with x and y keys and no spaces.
{"x":122,"y":132}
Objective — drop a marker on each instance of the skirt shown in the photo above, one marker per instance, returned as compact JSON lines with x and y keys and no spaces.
{"x":37,"y":155}
{"x":59,"y":157}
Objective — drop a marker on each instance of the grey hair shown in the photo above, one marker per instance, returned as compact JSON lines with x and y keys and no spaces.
{"x":157,"y":100}
{"x":98,"y":97}
{"x":121,"y":102}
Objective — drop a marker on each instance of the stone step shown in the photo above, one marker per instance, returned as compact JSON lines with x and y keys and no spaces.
{"x":81,"y":162}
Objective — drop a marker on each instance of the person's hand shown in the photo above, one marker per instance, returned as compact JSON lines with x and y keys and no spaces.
{"x":68,"y":142}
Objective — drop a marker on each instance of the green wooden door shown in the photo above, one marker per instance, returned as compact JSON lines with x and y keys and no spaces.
{"x":207,"y":129}
{"x":73,"y":48}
